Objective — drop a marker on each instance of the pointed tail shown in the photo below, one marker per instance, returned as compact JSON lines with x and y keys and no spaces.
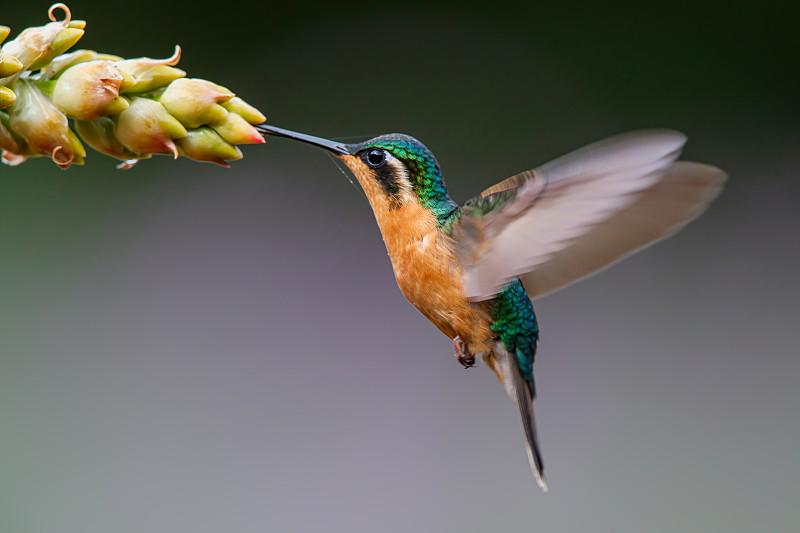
{"x":521,"y":393}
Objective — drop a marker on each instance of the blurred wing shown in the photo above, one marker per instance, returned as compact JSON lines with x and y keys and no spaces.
{"x":580,"y":213}
{"x":680,"y":196}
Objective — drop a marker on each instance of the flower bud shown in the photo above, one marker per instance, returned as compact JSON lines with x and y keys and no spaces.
{"x":65,"y":61}
{"x":237,"y":130}
{"x":248,"y":112}
{"x":146,"y":127}
{"x":194,"y":101}
{"x":33,"y":43}
{"x":4,"y":31}
{"x":147,"y":74}
{"x":7,"y":97}
{"x":43,"y":127}
{"x":204,"y":144}
{"x":99,"y":134}
{"x":9,"y":65}
{"x":88,"y":91}
{"x":63,"y":41}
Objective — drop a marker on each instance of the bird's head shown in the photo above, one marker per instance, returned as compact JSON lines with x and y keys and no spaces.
{"x":394,"y":170}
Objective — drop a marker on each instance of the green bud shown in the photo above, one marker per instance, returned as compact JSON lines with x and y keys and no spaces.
{"x":145,"y":74}
{"x":43,"y":127}
{"x":204,"y":144}
{"x":4,"y":31}
{"x":237,"y":130}
{"x":65,"y":39}
{"x":79,"y":24}
{"x":99,"y":134}
{"x":146,"y":127}
{"x":88,"y":91}
{"x":9,"y":65}
{"x":194,"y":101}
{"x":248,"y":112}
{"x":7,"y":97}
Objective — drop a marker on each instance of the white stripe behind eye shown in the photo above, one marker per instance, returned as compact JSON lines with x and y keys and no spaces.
{"x":400,"y":170}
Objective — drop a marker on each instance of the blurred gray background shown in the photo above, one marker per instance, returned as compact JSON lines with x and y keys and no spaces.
{"x":186,"y":348}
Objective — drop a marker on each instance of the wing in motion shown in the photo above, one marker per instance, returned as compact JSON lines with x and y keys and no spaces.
{"x":558,"y":223}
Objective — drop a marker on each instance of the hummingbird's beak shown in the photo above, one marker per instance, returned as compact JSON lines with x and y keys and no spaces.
{"x":332,"y":146}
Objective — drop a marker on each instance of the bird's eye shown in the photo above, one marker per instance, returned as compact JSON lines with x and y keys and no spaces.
{"x":376,"y":158}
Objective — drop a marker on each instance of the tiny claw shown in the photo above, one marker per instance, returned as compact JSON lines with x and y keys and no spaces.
{"x":462,"y":353}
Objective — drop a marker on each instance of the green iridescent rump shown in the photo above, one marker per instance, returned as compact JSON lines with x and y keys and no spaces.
{"x":514,"y":322}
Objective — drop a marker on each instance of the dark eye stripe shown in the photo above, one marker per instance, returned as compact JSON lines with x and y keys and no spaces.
{"x":385,"y":174}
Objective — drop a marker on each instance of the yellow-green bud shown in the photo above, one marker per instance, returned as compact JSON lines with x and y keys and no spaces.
{"x":237,"y":130}
{"x":99,"y":134}
{"x":88,"y":91}
{"x":65,"y":61}
{"x":194,"y":101}
{"x":204,"y":144}
{"x":7,"y":97}
{"x":4,"y":31}
{"x":64,"y":40}
{"x":43,"y":127}
{"x":33,"y":43}
{"x":146,"y":127}
{"x":248,"y":112}
{"x":145,"y":74}
{"x":9,"y":65}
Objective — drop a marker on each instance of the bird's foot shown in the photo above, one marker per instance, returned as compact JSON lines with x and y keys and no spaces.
{"x":463,"y":355}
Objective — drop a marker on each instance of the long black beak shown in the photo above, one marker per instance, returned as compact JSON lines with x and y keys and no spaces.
{"x":332,"y":146}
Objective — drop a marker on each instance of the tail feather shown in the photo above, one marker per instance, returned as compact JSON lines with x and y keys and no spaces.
{"x":520,"y":392}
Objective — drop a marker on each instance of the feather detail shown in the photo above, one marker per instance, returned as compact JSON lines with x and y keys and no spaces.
{"x":548,"y":210}
{"x":681,"y":195}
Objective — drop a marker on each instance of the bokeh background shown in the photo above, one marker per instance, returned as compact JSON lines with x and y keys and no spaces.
{"x":186,"y":348}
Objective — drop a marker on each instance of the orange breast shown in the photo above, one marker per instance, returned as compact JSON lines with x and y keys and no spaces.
{"x":425,"y":266}
{"x":429,"y":277}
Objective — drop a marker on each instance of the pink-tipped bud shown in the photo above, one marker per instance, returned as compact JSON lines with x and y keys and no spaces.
{"x":204,"y":144}
{"x":44,"y":128}
{"x":88,"y":91}
{"x":237,"y":130}
{"x":195,"y":102}
{"x":247,"y":112}
{"x":99,"y":134}
{"x":147,"y":128}
{"x":145,"y":74}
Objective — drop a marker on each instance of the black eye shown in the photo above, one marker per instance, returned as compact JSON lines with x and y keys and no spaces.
{"x":376,"y":158}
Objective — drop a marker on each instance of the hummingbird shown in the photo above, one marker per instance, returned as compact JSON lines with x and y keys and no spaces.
{"x":473,"y":268}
